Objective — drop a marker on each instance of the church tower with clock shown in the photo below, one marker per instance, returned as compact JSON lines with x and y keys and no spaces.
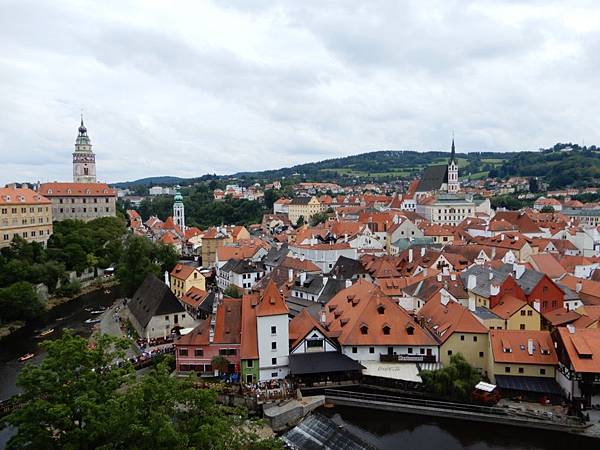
{"x":84,"y":160}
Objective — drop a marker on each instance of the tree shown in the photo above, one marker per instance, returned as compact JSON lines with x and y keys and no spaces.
{"x":19,"y":301}
{"x":220,"y":363}
{"x":457,"y":380}
{"x":233,"y":291}
{"x":533,"y":185}
{"x":166,"y":256}
{"x":547,"y":209}
{"x":300,"y":221}
{"x":318,"y":218}
{"x":136,"y":263}
{"x":76,"y":398}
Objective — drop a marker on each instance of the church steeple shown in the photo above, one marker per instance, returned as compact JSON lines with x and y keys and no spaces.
{"x":453,"y":183}
{"x":452,"y":153}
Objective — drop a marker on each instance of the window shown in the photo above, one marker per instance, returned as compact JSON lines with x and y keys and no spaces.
{"x":449,"y":352}
{"x":250,"y":364}
{"x":474,"y":338}
{"x":371,"y":349}
{"x":530,"y":313}
{"x":183,"y":352}
{"x":410,"y":350}
{"x":521,"y":370}
{"x":481,"y":354}
{"x":273,"y":329}
{"x":422,"y":351}
{"x":507,"y":369}
{"x":364,"y":329}
{"x":167,"y":318}
{"x":199,"y":352}
{"x":381,"y":309}
{"x":273,"y":361}
{"x":522,"y":312}
{"x":273,"y":374}
{"x":522,"y":326}
{"x":462,"y":337}
{"x":410,"y":330}
{"x":386,"y":330}
{"x":354,"y":349}
{"x":273,"y":345}
{"x":542,"y":371}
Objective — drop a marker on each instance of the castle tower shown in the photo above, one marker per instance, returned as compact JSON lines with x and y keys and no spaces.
{"x":453,"y":183}
{"x":179,"y":210}
{"x":84,"y":160}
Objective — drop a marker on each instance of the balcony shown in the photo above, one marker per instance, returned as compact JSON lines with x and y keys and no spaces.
{"x":407,"y":358}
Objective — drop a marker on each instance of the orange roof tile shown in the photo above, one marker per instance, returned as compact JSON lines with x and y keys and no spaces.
{"x":228,"y":323}
{"x":249,"y":344}
{"x":182,"y":271}
{"x":364,"y":305}
{"x":507,"y":306}
{"x":272,"y":302}
{"x":21,"y":196}
{"x":518,"y":342}
{"x":444,"y":320}
{"x":77,"y":190}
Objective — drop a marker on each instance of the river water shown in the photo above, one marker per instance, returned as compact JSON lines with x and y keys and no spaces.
{"x":68,"y":315}
{"x":394,"y":431}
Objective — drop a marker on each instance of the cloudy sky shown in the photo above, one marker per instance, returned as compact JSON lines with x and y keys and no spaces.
{"x":187,"y":88}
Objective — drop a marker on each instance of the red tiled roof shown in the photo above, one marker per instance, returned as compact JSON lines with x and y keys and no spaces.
{"x":583,"y":348}
{"x":77,"y":190}
{"x":228,"y":323}
{"x":249,"y":344}
{"x":272,"y":302}
{"x":21,"y":196}
{"x":517,"y":341}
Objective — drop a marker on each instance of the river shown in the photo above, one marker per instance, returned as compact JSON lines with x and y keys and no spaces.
{"x":68,"y":315}
{"x":395,"y":431}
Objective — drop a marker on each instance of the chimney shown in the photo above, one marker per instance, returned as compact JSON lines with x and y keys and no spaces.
{"x":348,"y":283}
{"x":494,"y":290}
{"x":536,"y":305}
{"x":167,"y":281}
{"x":323,"y":317}
{"x":445,"y":271}
{"x":439,"y":277}
{"x":302,"y":278}
{"x":422,"y":251}
{"x":410,"y":255}
{"x":471,"y":282}
{"x":491,"y":275}
{"x":578,"y":286}
{"x":290,"y":275}
{"x":472,"y":304}
{"x":519,"y":270}
{"x":530,"y":347}
{"x":502,"y":237}
{"x":444,"y":298}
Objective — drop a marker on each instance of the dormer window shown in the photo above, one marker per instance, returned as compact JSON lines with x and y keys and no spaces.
{"x":364,"y":329}
{"x":410,"y":330}
{"x":68,"y":191}
{"x":49,"y":191}
{"x":380,"y":309}
{"x":386,"y":329}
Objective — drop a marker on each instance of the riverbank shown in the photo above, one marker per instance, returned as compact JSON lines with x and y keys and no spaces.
{"x":92,"y":286}
{"x":11,"y":327}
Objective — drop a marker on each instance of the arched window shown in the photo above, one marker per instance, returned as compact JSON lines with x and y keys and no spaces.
{"x":386,"y":329}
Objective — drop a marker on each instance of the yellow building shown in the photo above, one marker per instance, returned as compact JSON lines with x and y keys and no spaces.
{"x":517,"y":314}
{"x":457,"y":330}
{"x":211,"y":240}
{"x":183,"y":278}
{"x":24,"y":213}
{"x":521,"y":354}
{"x":305,"y":207}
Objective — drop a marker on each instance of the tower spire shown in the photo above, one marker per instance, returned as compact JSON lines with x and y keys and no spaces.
{"x":453,"y":150}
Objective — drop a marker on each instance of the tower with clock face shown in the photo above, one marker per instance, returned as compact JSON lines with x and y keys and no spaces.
{"x":84,"y":160}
